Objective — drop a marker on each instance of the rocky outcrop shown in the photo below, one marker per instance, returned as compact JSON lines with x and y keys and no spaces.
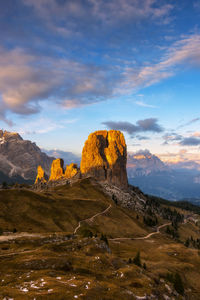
{"x":104,"y":157}
{"x":41,"y":176}
{"x":20,"y":158}
{"x":71,"y":170}
{"x":57,"y":171}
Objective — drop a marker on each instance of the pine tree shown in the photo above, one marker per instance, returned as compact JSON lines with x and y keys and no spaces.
{"x":178,"y":284}
{"x":137,"y":260}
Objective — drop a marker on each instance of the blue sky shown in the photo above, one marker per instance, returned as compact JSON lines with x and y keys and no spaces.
{"x":68,"y":68}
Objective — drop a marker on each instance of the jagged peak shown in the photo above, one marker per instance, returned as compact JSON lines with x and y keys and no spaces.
{"x":7,"y":135}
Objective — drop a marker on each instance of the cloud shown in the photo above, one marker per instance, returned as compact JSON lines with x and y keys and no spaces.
{"x":144,"y":152}
{"x":72,"y":83}
{"x":171,"y":137}
{"x":190,"y":141}
{"x":43,"y":125}
{"x":184,"y":52}
{"x":102,"y":12}
{"x":190,"y":122}
{"x":142,"y":138}
{"x":149,"y":125}
{"x":68,"y":157}
{"x":141,"y":126}
{"x":196,"y":134}
{"x":64,"y":81}
{"x":143,"y":104}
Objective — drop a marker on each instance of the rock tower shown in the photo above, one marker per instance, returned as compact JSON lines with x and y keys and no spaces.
{"x":57,"y":171}
{"x":41,"y":176}
{"x":104,"y":157}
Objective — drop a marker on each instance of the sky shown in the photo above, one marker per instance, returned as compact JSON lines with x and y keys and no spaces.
{"x":68,"y":68}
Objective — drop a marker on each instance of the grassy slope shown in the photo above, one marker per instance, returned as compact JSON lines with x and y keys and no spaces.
{"x":87,"y":259}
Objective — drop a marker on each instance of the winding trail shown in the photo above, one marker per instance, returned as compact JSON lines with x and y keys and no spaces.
{"x":92,"y":218}
{"x":14,"y":236}
{"x":143,"y":237}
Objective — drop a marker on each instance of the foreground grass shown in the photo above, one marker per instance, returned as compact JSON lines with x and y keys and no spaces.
{"x":59,"y":265}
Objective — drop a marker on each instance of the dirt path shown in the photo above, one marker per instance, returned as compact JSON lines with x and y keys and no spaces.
{"x":5,"y":238}
{"x":143,"y":237}
{"x":92,"y":218}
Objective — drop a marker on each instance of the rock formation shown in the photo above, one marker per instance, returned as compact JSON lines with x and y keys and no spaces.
{"x":57,"y":171}
{"x":41,"y":176}
{"x":104,"y":156}
{"x":71,"y":170}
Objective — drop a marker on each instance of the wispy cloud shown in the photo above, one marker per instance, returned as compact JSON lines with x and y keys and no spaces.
{"x":143,"y":104}
{"x":184,"y":52}
{"x":43,"y":125}
{"x":145,"y":125}
{"x":189,"y":122}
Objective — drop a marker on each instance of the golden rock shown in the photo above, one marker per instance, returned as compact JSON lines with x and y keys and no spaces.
{"x":41,"y":176}
{"x":71,"y":170}
{"x":57,"y":171}
{"x":104,"y":156}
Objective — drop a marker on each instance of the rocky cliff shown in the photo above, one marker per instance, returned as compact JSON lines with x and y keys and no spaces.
{"x":20,"y":158}
{"x":104,"y":156}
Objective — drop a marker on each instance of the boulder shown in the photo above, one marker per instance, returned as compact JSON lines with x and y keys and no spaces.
{"x":57,"y":171}
{"x":104,"y":157}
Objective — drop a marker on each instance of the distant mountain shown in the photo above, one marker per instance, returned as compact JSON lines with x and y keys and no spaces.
{"x":143,"y":163}
{"x":20,"y":158}
{"x":153,"y":177}
{"x":68,"y":157}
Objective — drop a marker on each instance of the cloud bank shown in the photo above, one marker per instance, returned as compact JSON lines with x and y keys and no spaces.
{"x":146,"y":125}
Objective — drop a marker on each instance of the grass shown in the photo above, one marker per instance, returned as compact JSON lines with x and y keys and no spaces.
{"x":58,"y":265}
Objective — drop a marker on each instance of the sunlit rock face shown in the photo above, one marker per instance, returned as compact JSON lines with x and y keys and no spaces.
{"x":104,"y":156}
{"x":71,"y":170}
{"x":41,"y":176}
{"x":57,"y":171}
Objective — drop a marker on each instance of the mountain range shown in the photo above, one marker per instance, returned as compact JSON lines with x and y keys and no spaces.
{"x":19,"y":160}
{"x":149,"y":173}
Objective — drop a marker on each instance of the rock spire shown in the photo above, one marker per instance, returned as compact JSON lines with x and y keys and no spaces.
{"x":41,"y":176}
{"x":104,"y":156}
{"x":57,"y":171}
